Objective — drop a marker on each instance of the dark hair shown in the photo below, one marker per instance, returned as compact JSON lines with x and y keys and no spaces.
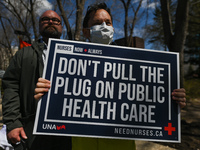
{"x":94,"y":7}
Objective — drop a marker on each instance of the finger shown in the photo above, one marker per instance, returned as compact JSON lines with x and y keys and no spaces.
{"x":179,"y":90}
{"x":178,"y":94}
{"x":43,"y":80}
{"x":38,"y":96}
{"x":23,"y":134}
{"x":41,"y":90}
{"x":182,"y":104}
{"x":182,"y":90}
{"x":179,"y":99}
{"x":43,"y":85}
{"x":14,"y":140}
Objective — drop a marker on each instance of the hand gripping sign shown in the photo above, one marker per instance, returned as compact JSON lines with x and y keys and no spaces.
{"x":108,"y":91}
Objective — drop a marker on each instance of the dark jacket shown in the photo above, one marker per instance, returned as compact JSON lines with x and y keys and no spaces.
{"x":19,"y":82}
{"x":19,"y":105}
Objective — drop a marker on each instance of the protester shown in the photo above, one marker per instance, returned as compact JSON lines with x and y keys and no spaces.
{"x":19,"y":82}
{"x":98,"y":28}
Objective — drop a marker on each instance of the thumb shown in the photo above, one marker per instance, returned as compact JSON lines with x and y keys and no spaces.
{"x":23,"y":134}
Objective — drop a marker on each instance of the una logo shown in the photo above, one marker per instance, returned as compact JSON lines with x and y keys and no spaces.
{"x":53,"y":127}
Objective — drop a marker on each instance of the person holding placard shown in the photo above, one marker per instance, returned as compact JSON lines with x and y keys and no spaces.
{"x":98,"y":28}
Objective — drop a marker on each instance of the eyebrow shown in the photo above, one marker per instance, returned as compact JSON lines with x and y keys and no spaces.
{"x":97,"y":21}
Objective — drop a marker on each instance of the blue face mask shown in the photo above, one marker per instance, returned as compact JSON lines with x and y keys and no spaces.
{"x":102,"y":34}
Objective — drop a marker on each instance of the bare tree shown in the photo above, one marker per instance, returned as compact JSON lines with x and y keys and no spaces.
{"x":64,"y":16}
{"x":6,"y":37}
{"x":78,"y":19}
{"x":175,"y":38}
{"x":17,"y":12}
{"x":16,"y":17}
{"x":126,"y":8}
{"x":79,"y":14}
{"x":6,"y":52}
{"x":30,"y":8}
{"x":130,"y":25}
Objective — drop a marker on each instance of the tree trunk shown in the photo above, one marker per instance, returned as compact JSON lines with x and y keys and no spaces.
{"x":33,"y":20}
{"x":175,"y":41}
{"x":79,"y":12}
{"x":126,"y":7}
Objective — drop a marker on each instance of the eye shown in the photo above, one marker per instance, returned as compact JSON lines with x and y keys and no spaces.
{"x":45,"y":19}
{"x":108,"y":23}
{"x":55,"y":20}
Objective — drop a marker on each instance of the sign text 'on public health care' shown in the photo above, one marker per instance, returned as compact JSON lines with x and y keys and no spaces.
{"x":106,"y":89}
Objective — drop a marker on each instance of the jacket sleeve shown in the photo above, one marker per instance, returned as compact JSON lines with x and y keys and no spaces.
{"x":11,"y":100}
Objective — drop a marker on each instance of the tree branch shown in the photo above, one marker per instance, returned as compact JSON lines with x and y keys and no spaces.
{"x":69,"y":32}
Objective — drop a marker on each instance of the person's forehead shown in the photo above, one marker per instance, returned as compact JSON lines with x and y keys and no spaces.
{"x":100,"y":14}
{"x":50,"y":14}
